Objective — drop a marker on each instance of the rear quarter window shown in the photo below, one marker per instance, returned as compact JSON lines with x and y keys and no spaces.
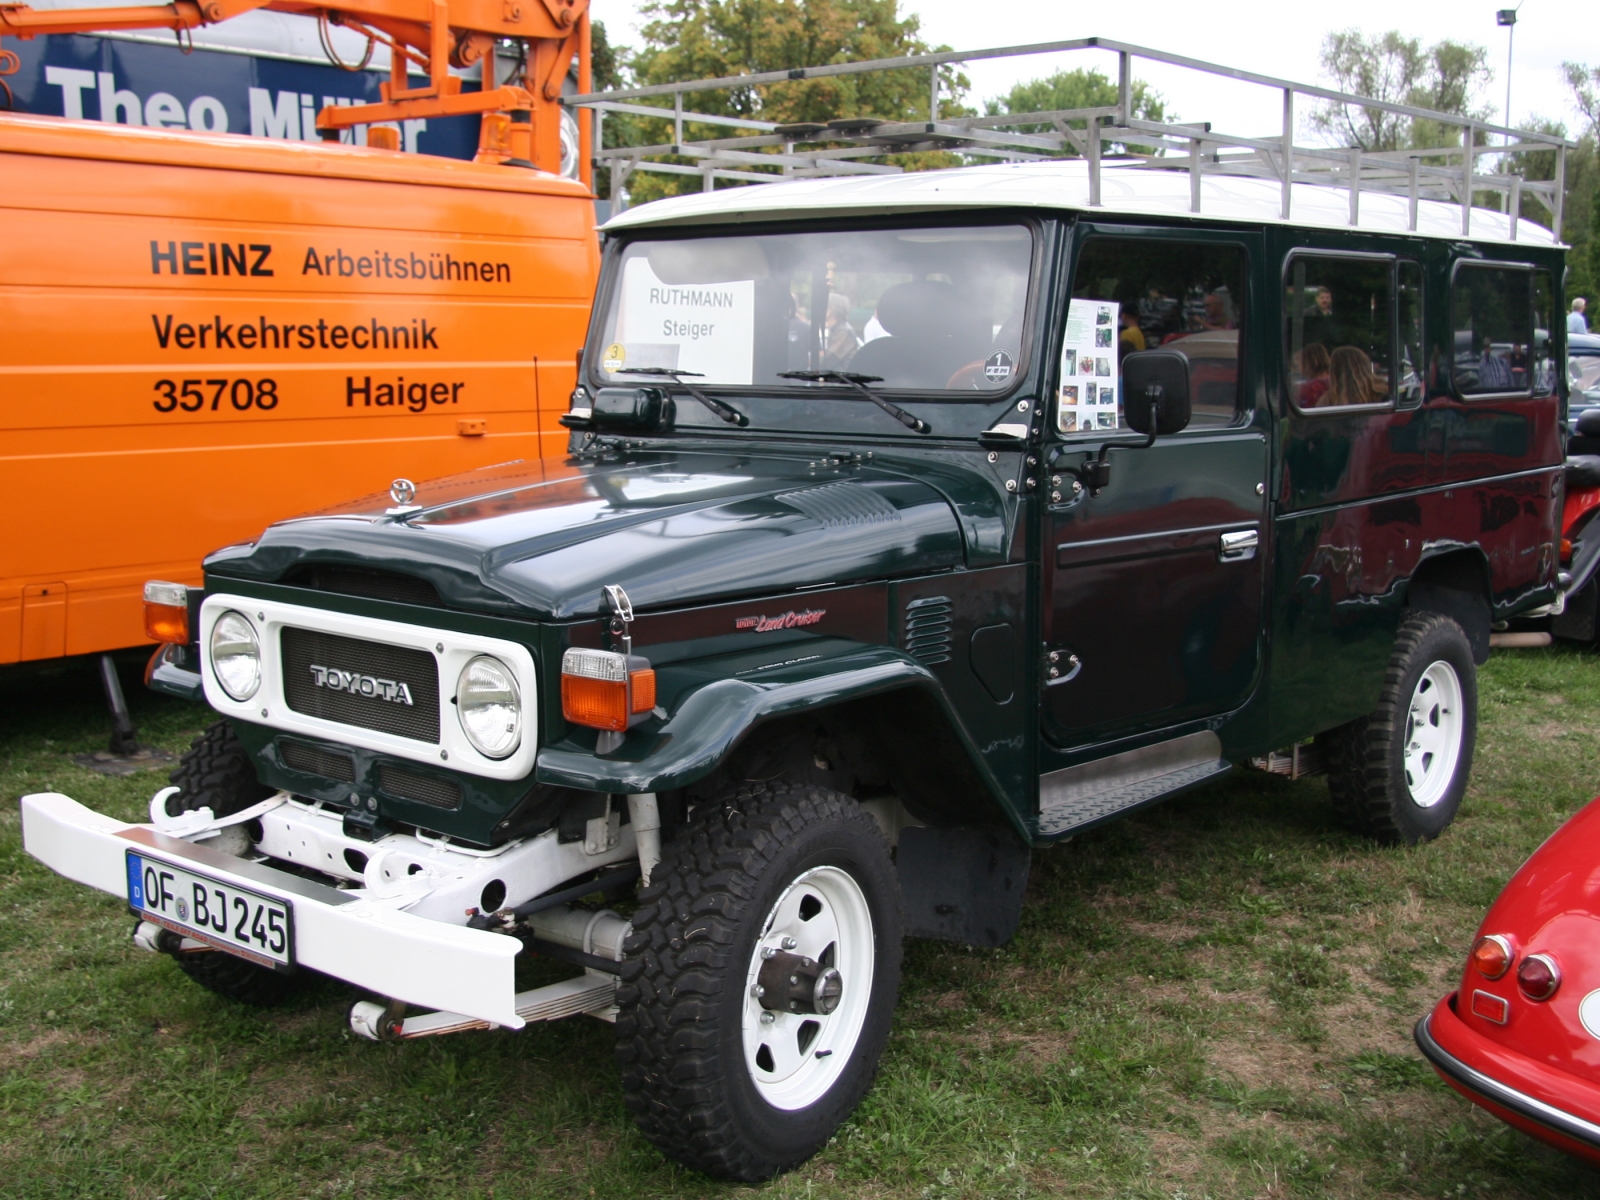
{"x":1494,"y":351}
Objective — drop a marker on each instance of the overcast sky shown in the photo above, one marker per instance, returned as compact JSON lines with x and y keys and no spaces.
{"x":1269,"y":36}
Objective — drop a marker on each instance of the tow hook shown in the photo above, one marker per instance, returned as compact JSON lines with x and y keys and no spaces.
{"x":147,"y":935}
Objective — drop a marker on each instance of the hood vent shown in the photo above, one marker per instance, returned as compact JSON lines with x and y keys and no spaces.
{"x":373,"y":585}
{"x":928,"y":626}
{"x":836,"y":504}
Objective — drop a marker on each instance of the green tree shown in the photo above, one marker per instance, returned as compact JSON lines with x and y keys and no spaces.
{"x":1445,"y":77}
{"x":696,"y":39}
{"x":1078,"y":89}
{"x":1582,"y":214}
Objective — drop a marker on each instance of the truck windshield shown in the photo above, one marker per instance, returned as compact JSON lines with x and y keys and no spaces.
{"x":928,"y":309}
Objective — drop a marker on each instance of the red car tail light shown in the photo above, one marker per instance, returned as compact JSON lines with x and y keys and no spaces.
{"x":1538,"y":977}
{"x":1492,"y":955}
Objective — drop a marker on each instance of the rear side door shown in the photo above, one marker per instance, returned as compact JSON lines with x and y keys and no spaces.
{"x":1153,"y":587}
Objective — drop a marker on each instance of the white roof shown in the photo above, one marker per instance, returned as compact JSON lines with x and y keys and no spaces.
{"x":1064,"y":184}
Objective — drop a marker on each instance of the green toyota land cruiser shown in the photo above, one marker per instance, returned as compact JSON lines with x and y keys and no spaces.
{"x":910,"y":523}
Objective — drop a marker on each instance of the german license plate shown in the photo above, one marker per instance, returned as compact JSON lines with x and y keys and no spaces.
{"x":249,"y":924}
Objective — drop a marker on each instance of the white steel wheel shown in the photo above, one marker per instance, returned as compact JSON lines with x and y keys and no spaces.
{"x":822,"y":920}
{"x":1434,"y":727}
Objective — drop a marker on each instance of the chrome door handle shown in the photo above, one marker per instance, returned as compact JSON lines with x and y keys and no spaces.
{"x":1238,"y":546}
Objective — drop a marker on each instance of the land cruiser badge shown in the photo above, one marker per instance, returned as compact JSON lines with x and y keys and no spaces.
{"x":788,"y":620}
{"x":370,"y":686}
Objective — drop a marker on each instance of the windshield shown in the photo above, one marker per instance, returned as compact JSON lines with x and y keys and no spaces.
{"x":931,"y":309}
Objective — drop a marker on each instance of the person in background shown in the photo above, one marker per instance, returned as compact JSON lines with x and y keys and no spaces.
{"x":1132,"y":337}
{"x":1576,"y":321}
{"x":1314,"y":365}
{"x":1350,"y":377}
{"x":1320,"y":323}
{"x":1218,"y":312}
{"x":1494,"y":372}
{"x":840,"y":342}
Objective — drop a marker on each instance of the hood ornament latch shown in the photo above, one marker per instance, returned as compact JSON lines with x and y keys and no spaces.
{"x":402,"y":492}
{"x":621,"y":624}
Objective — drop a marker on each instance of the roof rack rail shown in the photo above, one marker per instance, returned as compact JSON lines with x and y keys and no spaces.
{"x":772,"y":153}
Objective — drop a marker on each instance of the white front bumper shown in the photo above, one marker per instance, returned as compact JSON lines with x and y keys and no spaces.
{"x":395,"y":954}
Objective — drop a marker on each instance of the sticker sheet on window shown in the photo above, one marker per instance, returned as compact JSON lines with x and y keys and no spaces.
{"x":1088,"y":397}
{"x":704,"y":328}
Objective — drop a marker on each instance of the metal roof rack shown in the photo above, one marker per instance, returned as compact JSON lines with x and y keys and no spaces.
{"x":771,"y":153}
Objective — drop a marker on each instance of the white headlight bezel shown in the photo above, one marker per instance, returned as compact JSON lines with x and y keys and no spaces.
{"x":452,"y":650}
{"x":516,"y":702}
{"x":255,"y":643}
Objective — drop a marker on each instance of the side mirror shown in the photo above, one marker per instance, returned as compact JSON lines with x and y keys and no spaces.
{"x":641,"y":408}
{"x":1155,"y":391}
{"x":1589,"y":422}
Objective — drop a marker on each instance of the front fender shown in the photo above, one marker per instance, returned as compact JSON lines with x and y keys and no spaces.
{"x":719,"y":700}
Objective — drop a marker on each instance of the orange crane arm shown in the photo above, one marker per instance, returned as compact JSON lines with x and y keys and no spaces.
{"x":521,"y":120}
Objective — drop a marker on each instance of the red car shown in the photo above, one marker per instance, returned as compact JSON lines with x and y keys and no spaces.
{"x":1521,"y":1035}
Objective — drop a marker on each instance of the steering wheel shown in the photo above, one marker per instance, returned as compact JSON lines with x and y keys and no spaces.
{"x":969,"y":376}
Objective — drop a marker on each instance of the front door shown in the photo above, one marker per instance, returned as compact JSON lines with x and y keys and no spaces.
{"x":1153,"y":587}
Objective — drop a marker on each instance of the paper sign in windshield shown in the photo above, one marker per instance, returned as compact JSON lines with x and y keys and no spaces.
{"x":708,"y":328}
{"x":1088,"y":399}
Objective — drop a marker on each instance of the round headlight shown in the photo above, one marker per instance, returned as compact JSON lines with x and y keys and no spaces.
{"x":490,"y":706}
{"x":236,"y":655}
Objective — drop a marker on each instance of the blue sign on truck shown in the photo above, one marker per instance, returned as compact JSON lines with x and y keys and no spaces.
{"x":139,"y":81}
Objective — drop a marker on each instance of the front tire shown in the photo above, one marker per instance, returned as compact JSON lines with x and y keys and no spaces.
{"x":1398,"y":774}
{"x":781,"y":888}
{"x":216,"y":773}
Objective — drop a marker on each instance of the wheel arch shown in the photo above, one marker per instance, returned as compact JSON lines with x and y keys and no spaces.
{"x":887,"y":712}
{"x":1455,"y":583}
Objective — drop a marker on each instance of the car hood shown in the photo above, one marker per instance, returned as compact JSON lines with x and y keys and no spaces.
{"x":543,"y":539}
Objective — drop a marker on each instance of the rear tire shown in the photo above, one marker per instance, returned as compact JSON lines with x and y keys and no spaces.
{"x":714,"y":1078}
{"x":217,"y":773}
{"x":1398,"y":774}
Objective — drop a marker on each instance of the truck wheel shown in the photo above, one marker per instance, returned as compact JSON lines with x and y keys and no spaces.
{"x":216,"y":773}
{"x":759,"y":981}
{"x":1398,"y":774}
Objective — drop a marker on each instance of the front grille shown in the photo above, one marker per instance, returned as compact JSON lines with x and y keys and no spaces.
{"x":424,"y":789}
{"x":314,"y":760}
{"x":374,"y":585}
{"x":362,"y":667}
{"x":928,"y":629}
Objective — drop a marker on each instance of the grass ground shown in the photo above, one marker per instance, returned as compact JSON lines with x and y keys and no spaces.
{"x":1212,"y":999}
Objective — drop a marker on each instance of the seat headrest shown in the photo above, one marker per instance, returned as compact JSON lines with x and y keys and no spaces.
{"x":920,"y":306}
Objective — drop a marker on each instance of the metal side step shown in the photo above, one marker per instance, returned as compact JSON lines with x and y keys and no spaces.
{"x":1074,"y":798}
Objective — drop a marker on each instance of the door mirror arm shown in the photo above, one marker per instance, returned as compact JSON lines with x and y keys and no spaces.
{"x":1094,"y":473}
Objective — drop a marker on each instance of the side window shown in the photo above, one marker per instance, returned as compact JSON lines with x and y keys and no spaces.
{"x":1544,"y":334}
{"x":1340,"y":324}
{"x":1491,"y":314}
{"x":1139,"y":293}
{"x":1412,"y":389}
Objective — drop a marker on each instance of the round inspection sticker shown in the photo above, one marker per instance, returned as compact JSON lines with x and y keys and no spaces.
{"x":997,"y":366}
{"x":616,"y":355}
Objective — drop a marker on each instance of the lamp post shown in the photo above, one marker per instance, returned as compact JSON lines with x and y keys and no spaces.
{"x":1507,"y":17}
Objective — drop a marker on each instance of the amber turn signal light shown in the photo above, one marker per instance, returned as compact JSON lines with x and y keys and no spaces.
{"x":166,"y":612}
{"x":602,"y":689}
{"x":1538,"y":977}
{"x":1492,"y":956}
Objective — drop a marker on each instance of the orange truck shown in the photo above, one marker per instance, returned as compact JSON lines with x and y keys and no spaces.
{"x":203,"y":333}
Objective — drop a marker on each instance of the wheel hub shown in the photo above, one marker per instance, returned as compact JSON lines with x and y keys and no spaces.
{"x":1434,"y":725}
{"x":796,"y":984}
{"x":807,"y":988}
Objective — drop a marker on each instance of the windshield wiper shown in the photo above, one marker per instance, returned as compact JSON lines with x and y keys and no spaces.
{"x":859,"y":382}
{"x":726,"y":411}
